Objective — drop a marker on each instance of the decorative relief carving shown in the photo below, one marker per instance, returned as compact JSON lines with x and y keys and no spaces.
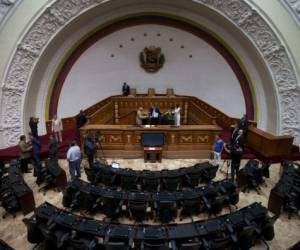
{"x":115,"y":139}
{"x":61,"y":12}
{"x":5,"y":7}
{"x":27,"y":54}
{"x":293,"y":7}
{"x":186,"y":139}
{"x":274,"y":54}
{"x":202,"y":139}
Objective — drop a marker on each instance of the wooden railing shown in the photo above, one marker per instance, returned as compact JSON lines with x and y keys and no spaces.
{"x":127,"y":118}
{"x":103,"y":115}
{"x":197,"y":113}
{"x":267,"y":144}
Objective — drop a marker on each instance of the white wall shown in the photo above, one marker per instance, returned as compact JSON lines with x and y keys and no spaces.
{"x":97,"y":75}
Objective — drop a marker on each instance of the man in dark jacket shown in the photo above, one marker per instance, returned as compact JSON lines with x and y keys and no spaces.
{"x":125,"y":89}
{"x":36,"y":151}
{"x":80,"y":122}
{"x":52,"y":147}
{"x":90,"y":148}
{"x":154,"y":114}
{"x":80,"y":119}
{"x":33,"y":124}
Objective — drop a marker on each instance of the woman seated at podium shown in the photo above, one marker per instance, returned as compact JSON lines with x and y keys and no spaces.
{"x":141,"y":117}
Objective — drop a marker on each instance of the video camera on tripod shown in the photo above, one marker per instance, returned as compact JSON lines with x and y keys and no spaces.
{"x":97,"y":138}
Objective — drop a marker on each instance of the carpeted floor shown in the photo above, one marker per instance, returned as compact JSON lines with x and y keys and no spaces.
{"x":13,"y":231}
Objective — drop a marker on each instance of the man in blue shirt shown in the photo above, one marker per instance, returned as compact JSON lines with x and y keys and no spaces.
{"x":74,"y":159}
{"x":218,"y":147}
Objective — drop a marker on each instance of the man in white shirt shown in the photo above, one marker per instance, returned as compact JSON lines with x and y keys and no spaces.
{"x":74,"y":159}
{"x":177,"y":115}
{"x":57,"y":128}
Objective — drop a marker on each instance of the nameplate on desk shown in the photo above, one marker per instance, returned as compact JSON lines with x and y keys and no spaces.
{"x":152,"y":148}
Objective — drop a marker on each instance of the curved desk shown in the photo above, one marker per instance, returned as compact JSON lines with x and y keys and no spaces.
{"x":124,"y":141}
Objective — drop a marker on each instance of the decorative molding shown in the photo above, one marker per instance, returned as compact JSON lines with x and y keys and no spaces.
{"x":61,"y":12}
{"x":5,"y":7}
{"x":293,"y":7}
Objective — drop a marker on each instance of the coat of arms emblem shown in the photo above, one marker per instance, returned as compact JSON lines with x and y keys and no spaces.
{"x":152,"y":59}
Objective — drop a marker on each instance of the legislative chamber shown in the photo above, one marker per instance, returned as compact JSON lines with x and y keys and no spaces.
{"x":149,"y":124}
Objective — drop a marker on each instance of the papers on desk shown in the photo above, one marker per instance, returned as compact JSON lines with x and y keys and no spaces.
{"x":115,"y":164}
{"x":151,"y":148}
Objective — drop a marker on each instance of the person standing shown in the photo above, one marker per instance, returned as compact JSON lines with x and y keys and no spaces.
{"x":52,"y":147}
{"x":57,"y":128}
{"x":80,"y":119}
{"x":236,"y":154}
{"x":36,"y":151}
{"x":80,"y":122}
{"x":243,"y":124}
{"x":25,"y":154}
{"x":217,"y":150}
{"x":74,"y":159}
{"x":125,"y":89}
{"x":177,"y":115}
{"x":140,"y":117}
{"x":90,"y":148}
{"x":154,"y":114}
{"x":33,"y":124}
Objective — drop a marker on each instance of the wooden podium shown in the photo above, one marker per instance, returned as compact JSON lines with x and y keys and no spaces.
{"x":152,"y":154}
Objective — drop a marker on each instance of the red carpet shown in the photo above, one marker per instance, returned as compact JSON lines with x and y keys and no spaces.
{"x":69,"y":135}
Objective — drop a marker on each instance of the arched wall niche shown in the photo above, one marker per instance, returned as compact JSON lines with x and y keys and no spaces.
{"x":110,"y":56}
{"x":256,"y":43}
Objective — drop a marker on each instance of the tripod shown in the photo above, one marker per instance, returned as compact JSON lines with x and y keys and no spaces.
{"x":226,"y":164}
{"x":98,"y":140}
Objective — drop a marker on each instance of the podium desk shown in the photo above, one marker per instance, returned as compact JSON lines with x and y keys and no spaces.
{"x":152,"y":154}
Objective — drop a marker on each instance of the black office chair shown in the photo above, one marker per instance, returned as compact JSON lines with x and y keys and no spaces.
{"x":209,"y":173}
{"x":230,"y":193}
{"x":166,"y":211}
{"x":111,"y":207}
{"x":150,"y":181}
{"x":221,"y":243}
{"x":83,"y":242}
{"x":128,"y":180}
{"x":210,"y":193}
{"x":108,"y":178}
{"x":112,"y":245}
{"x":193,"y":179}
{"x":91,"y":174}
{"x":192,"y":244}
{"x":73,"y":199}
{"x":154,"y":245}
{"x":138,"y":210}
{"x":34,"y":235}
{"x":268,"y":230}
{"x":246,"y":238}
{"x":171,"y":180}
{"x":61,"y":238}
{"x":47,"y":229}
{"x":190,"y":207}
